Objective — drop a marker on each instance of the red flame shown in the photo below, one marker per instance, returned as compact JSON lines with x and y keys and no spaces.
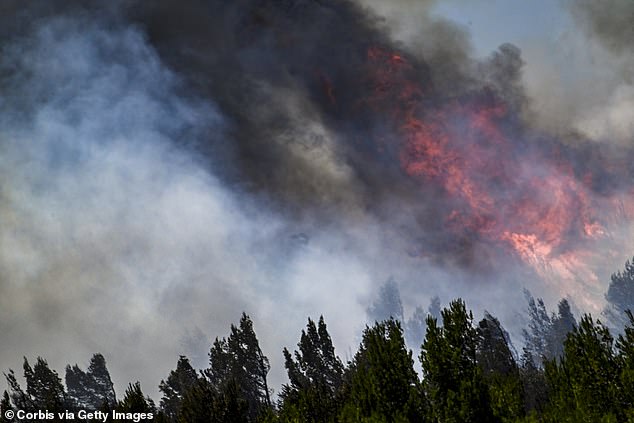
{"x":506,"y":191}
{"x":529,"y":201}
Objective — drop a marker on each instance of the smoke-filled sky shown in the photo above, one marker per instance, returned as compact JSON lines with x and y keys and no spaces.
{"x":167,"y":165}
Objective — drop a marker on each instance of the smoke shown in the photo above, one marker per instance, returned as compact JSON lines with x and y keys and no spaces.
{"x":167,"y":166}
{"x":580,"y":79}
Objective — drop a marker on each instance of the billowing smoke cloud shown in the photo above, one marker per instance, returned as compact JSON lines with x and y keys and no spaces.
{"x":167,"y":166}
{"x":581,"y":79}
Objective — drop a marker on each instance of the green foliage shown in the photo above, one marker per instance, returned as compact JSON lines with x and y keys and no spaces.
{"x":135,"y":402}
{"x":625,"y":349}
{"x":239,"y":360}
{"x":315,"y":374}
{"x":470,"y":374}
{"x":452,"y":378}
{"x":534,"y":387}
{"x":584,"y":385}
{"x":499,"y":369}
{"x":203,"y":403}
{"x":197,"y":403}
{"x":178,"y":383}
{"x":381,"y":384}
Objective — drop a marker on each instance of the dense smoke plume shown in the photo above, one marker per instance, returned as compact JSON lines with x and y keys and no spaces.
{"x":167,"y":165}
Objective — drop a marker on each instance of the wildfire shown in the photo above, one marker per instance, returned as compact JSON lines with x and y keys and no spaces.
{"x":505,"y":191}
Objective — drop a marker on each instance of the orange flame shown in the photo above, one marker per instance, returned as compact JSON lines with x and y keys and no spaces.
{"x":516,"y":196}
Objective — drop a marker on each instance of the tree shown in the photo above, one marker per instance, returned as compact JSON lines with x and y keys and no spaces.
{"x":620,"y":295}
{"x":18,"y":397}
{"x":135,"y":402}
{"x":92,"y":389}
{"x":5,"y":405}
{"x":388,"y":305}
{"x":546,"y":333}
{"x":584,"y":385}
{"x":536,"y":337}
{"x":197,"y":403}
{"x":203,"y":404}
{"x":178,"y":383}
{"x":534,"y":388}
{"x":416,"y":325}
{"x":44,"y":387}
{"x":561,"y":324}
{"x":239,"y":358}
{"x":499,"y":369}
{"x":315,"y":374}
{"x":625,"y":349}
{"x":451,"y":376}
{"x":382,"y":385}
{"x":434,"y":309}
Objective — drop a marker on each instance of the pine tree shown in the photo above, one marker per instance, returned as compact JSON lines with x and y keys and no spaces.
{"x":415,"y":327}
{"x":534,"y":388}
{"x":196,"y":406}
{"x":5,"y":405}
{"x":451,"y":376}
{"x":434,"y":308}
{"x":620,"y":295}
{"x":625,"y":349}
{"x":499,"y":369}
{"x":135,"y":402}
{"x":18,"y":397}
{"x":44,"y":387}
{"x":174,"y":389}
{"x":239,"y":359}
{"x":417,"y":324}
{"x":585,"y":384}
{"x":92,"y":389}
{"x":539,"y":326}
{"x":388,"y":305}
{"x":315,"y":374}
{"x":561,"y":324}
{"x":381,"y":382}
{"x":230,"y":406}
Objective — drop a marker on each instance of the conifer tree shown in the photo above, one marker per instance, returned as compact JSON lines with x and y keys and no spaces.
{"x":585,"y":384}
{"x":382,"y":385}
{"x":499,"y":369}
{"x":315,"y":374}
{"x":239,"y":359}
{"x":561,"y":324}
{"x":417,"y":324}
{"x":534,"y":387}
{"x":174,"y":389}
{"x":388,"y":305}
{"x":92,"y":389}
{"x":135,"y":402}
{"x":451,"y":376}
{"x":5,"y":405}
{"x":18,"y":397}
{"x":44,"y":387}
{"x":620,"y":296}
{"x":197,"y":403}
{"x":538,"y":332}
